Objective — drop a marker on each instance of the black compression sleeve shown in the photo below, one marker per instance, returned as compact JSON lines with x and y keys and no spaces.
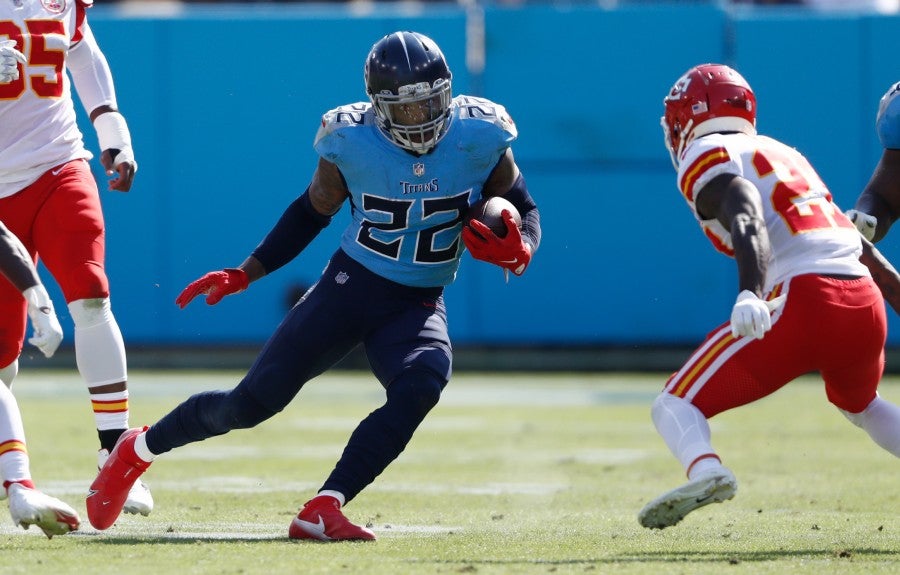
{"x":298,"y":226}
{"x":531,"y":218}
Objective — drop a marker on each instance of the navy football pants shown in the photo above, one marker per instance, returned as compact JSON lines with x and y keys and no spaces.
{"x":404,"y":331}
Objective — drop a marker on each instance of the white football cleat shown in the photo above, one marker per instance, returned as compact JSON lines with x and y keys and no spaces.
{"x":31,"y":507}
{"x":140,"y":500}
{"x":712,"y":486}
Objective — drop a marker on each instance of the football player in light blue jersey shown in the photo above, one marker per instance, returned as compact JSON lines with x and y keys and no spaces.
{"x":411,"y":161}
{"x":878,"y":207}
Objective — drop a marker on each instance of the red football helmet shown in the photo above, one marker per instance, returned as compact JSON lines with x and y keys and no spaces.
{"x":707,"y":98}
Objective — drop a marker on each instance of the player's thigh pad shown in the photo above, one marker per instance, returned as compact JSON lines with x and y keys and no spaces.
{"x":68,"y":232}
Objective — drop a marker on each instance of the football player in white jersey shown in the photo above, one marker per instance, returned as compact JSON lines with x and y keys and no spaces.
{"x":878,"y":207}
{"x":50,"y":200}
{"x":805,"y":302}
{"x":27,"y":505}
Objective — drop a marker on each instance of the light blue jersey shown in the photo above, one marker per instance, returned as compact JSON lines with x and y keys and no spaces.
{"x":407,"y":210}
{"x":888,"y":122}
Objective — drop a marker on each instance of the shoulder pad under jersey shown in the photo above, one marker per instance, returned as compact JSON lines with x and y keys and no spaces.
{"x":472,"y":108}
{"x":343,"y":117}
{"x":887,"y":124}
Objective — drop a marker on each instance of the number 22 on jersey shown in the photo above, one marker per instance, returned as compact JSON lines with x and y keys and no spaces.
{"x":802,"y":207}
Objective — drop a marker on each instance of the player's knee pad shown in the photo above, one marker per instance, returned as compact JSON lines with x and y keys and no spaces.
{"x":89,"y":312}
{"x":9,"y":372}
{"x":663,"y":403}
{"x":858,"y":419}
{"x":419,"y":388}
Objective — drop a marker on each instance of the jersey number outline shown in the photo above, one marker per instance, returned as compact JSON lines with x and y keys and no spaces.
{"x":399,"y":211}
{"x":800,"y":210}
{"x":38,"y":55}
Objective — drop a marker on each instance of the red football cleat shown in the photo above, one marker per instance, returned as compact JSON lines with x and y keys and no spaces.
{"x":107,"y":494}
{"x":321,"y":520}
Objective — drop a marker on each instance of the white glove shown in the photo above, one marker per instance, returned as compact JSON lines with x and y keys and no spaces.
{"x":865,"y":223}
{"x":47,"y":331}
{"x":10,"y":58}
{"x":751,"y":316}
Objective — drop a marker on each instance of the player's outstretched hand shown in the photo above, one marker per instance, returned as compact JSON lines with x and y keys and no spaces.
{"x":752,"y":316}
{"x":10,"y":58}
{"x":215,"y":285}
{"x":44,"y":323}
{"x":509,"y":252}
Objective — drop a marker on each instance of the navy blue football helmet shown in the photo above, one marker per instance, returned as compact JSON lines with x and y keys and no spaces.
{"x":408,"y":82}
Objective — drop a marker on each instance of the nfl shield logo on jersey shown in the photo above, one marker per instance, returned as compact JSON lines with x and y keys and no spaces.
{"x":419,"y":169}
{"x":54,"y":6}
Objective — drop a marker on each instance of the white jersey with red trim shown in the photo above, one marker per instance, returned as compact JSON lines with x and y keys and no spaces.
{"x":37,"y":114}
{"x":808,"y":233}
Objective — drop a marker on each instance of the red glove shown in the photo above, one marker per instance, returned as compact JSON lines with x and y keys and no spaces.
{"x":509,"y":252}
{"x":215,"y":285}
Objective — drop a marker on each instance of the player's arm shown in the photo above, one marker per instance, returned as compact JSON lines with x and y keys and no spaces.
{"x":514,"y":251}
{"x":300,"y":223}
{"x":736,"y":203}
{"x":17,"y":267}
{"x":94,"y":83}
{"x":506,"y":180}
{"x":880,"y":199}
{"x":15,"y":263}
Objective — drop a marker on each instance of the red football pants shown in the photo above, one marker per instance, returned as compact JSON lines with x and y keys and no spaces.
{"x":835,"y":327}
{"x":60,"y":221}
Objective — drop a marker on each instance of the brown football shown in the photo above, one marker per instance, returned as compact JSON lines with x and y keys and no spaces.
{"x":488,"y":210}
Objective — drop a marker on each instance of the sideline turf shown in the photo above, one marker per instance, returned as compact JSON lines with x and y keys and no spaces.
{"x":509,"y":474}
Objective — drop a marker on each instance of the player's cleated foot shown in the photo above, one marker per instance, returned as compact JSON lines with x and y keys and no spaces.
{"x":140,"y":500}
{"x":109,"y":491}
{"x":31,"y":507}
{"x":321,"y":520}
{"x":713,"y":486}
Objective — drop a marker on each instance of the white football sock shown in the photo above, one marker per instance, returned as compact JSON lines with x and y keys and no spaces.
{"x":336,"y":494}
{"x":100,"y":355}
{"x":99,"y":348}
{"x":881,"y":420}
{"x":686,"y":431}
{"x":13,"y":454}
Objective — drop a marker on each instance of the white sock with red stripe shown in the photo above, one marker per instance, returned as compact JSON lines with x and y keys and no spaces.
{"x":686,"y":431}
{"x":100,"y":355}
{"x":13,"y":454}
{"x":99,"y":348}
{"x":110,"y":410}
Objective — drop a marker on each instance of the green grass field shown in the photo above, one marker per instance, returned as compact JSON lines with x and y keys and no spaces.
{"x":519,"y":474}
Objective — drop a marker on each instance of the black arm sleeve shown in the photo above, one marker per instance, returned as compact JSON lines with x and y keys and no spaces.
{"x":298,"y":226}
{"x":15,"y":263}
{"x":531,"y":218}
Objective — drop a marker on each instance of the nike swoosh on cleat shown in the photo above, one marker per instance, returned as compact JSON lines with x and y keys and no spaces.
{"x":313,"y":528}
{"x":509,"y":261}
